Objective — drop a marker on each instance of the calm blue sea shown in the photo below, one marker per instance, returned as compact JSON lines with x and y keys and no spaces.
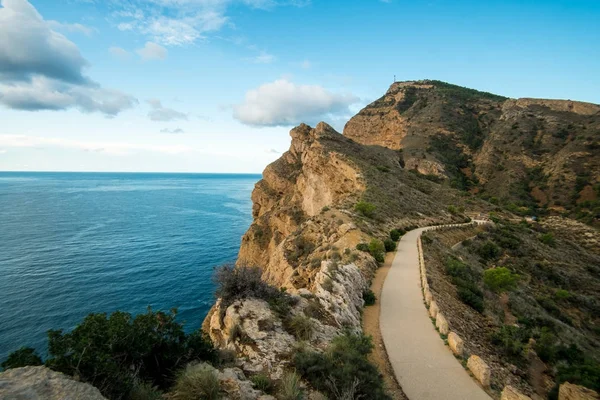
{"x":75,"y":243}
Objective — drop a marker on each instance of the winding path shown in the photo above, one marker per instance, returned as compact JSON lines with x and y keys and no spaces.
{"x":424,"y":366}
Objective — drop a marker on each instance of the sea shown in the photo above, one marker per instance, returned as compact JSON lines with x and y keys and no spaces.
{"x":76,"y":243}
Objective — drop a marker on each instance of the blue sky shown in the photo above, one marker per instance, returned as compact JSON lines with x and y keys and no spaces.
{"x":215,"y":85}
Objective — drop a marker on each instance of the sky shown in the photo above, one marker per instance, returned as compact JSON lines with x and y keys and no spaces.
{"x":216,"y":85}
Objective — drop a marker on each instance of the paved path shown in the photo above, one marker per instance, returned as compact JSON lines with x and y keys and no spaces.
{"x":424,"y":366}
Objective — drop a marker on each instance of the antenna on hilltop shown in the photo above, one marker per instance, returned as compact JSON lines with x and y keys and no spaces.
{"x":394,"y":78}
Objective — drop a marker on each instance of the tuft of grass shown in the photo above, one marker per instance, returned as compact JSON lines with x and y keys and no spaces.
{"x":289,"y":387}
{"x":301,"y":327}
{"x":263,"y":383}
{"x":197,"y":382}
{"x":144,"y":391}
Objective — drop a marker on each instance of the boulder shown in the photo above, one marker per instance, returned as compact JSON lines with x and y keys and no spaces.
{"x":480,"y":370}
{"x":456,"y":344}
{"x":568,"y":391}
{"x":41,"y":383}
{"x":511,"y":393}
{"x":442,"y":324}
{"x":433,"y":309}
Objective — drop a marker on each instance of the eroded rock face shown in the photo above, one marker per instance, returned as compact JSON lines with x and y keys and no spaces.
{"x":568,"y":391}
{"x":480,"y":370}
{"x":41,"y":383}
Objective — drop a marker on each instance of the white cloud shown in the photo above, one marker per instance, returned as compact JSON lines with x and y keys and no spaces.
{"x":152,"y":51}
{"x":160,"y":113}
{"x":46,"y":94}
{"x":119,"y":53}
{"x":40,"y":69}
{"x":262,"y":58}
{"x":72,"y":28}
{"x":173,"y":131}
{"x":284,"y":103}
{"x":183,"y":22}
{"x":113,"y":148}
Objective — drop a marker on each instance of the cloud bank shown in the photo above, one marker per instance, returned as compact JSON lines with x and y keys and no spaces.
{"x":284,"y":103}
{"x":49,"y":75}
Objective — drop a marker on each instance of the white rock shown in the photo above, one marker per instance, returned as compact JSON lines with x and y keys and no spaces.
{"x":456,"y":344}
{"x":480,"y":370}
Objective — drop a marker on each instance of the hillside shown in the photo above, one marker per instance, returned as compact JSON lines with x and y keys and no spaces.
{"x":531,"y":156}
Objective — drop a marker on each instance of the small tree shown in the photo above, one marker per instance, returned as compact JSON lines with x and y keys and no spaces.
{"x":395,"y":235}
{"x":389,"y":244}
{"x":365,"y":208}
{"x":500,"y":279}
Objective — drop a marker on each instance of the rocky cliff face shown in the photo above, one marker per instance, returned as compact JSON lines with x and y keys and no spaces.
{"x":529,"y":153}
{"x":304,"y":239}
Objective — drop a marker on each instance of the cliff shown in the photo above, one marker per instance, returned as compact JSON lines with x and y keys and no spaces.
{"x":530,"y":154}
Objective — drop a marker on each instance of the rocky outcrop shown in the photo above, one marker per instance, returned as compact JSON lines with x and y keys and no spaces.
{"x":41,"y":383}
{"x":568,"y":391}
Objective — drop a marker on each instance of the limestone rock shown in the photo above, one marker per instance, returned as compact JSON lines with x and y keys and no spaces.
{"x":510,"y":393}
{"x":41,"y":383}
{"x":480,"y":370}
{"x":568,"y":391}
{"x":442,"y":324}
{"x":433,"y":309}
{"x":456,"y":344}
{"x":428,"y":296}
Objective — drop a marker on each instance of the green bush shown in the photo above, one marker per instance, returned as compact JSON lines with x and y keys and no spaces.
{"x":562,"y":294}
{"x":197,"y":382}
{"x":548,"y":239}
{"x":452,"y":210}
{"x":395,"y":235}
{"x":489,"y":251}
{"x":263,"y":383}
{"x":369,"y":297}
{"x":362,"y":247}
{"x":300,"y":326}
{"x":342,"y":368}
{"x":289,"y":387}
{"x":21,"y":358}
{"x":145,"y":391}
{"x":365,"y":208}
{"x":112,"y":352}
{"x":377,"y":250}
{"x":390,"y":245}
{"x":500,"y":279}
{"x":471,"y":298}
{"x":511,"y":339}
{"x":235,"y":283}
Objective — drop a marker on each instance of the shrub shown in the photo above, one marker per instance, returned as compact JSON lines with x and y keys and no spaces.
{"x":500,"y":279}
{"x":452,"y":210}
{"x":244,"y":282}
{"x":511,"y":339}
{"x":197,"y":382}
{"x":489,"y":251}
{"x":342,"y":368}
{"x":471,"y":298}
{"x":395,"y":235}
{"x":325,"y":209}
{"x":562,"y":294}
{"x":263,"y":383}
{"x":327,"y":284}
{"x":362,"y":247}
{"x":586,"y":374}
{"x":289,"y":388}
{"x":546,"y":346}
{"x":390,"y":245}
{"x":377,"y":250}
{"x":300,"y":326}
{"x":365,"y":208}
{"x":369,"y":297}
{"x":548,"y":239}
{"x":21,"y":358}
{"x":111,"y":353}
